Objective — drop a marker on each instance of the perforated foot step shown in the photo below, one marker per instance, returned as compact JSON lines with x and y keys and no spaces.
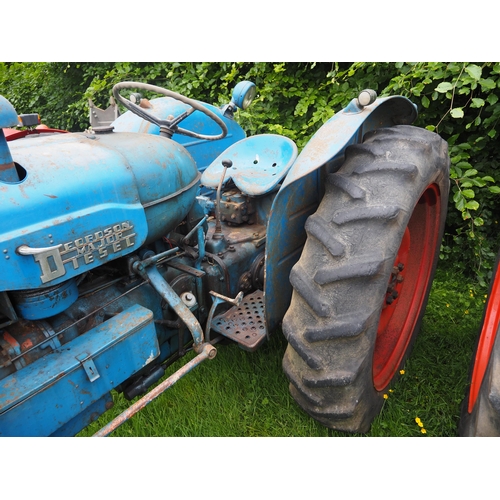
{"x":244,"y":323}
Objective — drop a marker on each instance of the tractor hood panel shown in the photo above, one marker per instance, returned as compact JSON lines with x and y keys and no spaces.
{"x":84,"y":199}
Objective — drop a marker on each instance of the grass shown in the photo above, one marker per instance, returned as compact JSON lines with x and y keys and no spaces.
{"x":246,"y":394}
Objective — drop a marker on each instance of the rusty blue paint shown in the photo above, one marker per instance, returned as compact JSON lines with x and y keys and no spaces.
{"x":8,"y":115}
{"x":202,"y":151}
{"x":98,"y":197}
{"x":301,"y":191}
{"x":50,"y":302}
{"x":174,"y":301}
{"x":207,"y":351}
{"x":52,"y":391}
{"x":8,"y":118}
{"x":85,"y":418}
{"x":74,"y":188}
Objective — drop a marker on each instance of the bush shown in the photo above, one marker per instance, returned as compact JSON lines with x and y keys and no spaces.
{"x":460,"y":102}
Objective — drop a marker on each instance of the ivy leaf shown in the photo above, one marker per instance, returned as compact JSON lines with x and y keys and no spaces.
{"x":477,"y":102}
{"x":494,"y":189}
{"x":472,"y":205}
{"x":487,"y":84}
{"x":470,"y":172}
{"x":444,"y":87}
{"x":478,"y":221}
{"x":492,"y":99}
{"x":468,"y":193}
{"x":460,"y":204}
{"x":474,"y":71}
{"x":425,"y":102}
{"x":477,"y":182}
{"x":457,"y":113}
{"x":457,"y":197}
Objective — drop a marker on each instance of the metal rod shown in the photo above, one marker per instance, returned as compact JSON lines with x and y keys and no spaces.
{"x":175,"y":302}
{"x":195,"y":228}
{"x":156,"y":258}
{"x":197,"y":264}
{"x":208,"y":352}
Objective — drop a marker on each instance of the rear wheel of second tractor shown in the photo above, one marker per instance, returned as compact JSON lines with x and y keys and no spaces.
{"x":480,"y":414}
{"x":362,"y":282}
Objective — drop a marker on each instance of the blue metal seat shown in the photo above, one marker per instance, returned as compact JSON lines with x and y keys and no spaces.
{"x":260,"y":163}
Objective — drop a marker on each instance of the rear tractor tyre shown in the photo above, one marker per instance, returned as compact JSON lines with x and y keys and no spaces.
{"x":362,"y":282}
{"x":480,"y":413}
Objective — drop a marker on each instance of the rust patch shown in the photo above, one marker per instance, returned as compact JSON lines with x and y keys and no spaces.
{"x":10,"y":339}
{"x":27,"y":344}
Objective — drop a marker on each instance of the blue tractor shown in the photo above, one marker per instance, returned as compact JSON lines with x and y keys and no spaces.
{"x":166,"y":228}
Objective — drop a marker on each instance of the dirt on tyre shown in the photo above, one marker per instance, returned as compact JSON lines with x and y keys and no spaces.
{"x":362,"y":282}
{"x":480,"y":413}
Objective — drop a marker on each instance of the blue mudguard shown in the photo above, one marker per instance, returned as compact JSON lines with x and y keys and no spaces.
{"x":302,"y":190}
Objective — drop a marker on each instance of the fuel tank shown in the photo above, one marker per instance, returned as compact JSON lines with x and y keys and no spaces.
{"x":84,"y":199}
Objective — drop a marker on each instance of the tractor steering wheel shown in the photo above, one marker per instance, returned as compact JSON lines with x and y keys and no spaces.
{"x":169,"y":126}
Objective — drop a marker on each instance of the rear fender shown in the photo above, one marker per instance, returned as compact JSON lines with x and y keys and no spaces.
{"x":302,"y":190}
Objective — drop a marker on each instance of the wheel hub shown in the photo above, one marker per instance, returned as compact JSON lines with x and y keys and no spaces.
{"x":406,"y":292}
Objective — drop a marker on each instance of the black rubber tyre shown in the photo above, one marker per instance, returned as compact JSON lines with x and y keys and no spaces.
{"x":480,"y":413}
{"x":354,"y":313}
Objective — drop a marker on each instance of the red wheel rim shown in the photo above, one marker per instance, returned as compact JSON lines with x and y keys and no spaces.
{"x":486,"y":341}
{"x":410,"y":280}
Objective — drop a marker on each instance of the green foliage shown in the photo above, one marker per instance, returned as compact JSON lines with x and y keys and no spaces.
{"x":458,"y":100}
{"x":49,"y":89}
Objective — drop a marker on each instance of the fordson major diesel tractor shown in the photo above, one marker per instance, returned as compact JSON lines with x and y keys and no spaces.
{"x":166,"y":227}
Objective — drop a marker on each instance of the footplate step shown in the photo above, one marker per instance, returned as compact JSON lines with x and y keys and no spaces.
{"x":244,"y":323}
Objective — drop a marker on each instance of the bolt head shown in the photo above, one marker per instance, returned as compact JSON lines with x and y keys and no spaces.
{"x":367,"y":97}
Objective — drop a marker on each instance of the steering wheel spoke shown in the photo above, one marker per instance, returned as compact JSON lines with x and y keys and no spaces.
{"x":169,"y":126}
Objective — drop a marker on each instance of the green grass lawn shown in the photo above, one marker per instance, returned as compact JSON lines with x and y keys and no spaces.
{"x":246,"y":394}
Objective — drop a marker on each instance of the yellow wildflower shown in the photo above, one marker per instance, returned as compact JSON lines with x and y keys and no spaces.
{"x":402,"y":372}
{"x":466,"y":311}
{"x":420,"y":424}
{"x":386,"y":396}
{"x":423,"y":431}
{"x":447,"y":305}
{"x":417,"y":420}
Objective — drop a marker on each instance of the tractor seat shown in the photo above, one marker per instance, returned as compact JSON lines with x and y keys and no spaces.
{"x":260,"y":163}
